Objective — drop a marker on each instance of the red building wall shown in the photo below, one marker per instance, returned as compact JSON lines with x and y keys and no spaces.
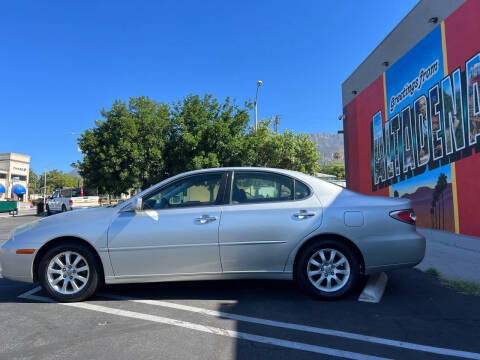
{"x":462,"y":34}
{"x":453,"y":42}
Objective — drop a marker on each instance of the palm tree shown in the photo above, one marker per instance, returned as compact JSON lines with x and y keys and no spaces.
{"x":434,"y":206}
{"x":432,"y":214}
{"x":438,"y":194}
{"x":443,"y":183}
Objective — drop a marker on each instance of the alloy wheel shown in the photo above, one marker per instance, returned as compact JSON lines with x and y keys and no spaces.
{"x":68,"y":272}
{"x":328,"y":270}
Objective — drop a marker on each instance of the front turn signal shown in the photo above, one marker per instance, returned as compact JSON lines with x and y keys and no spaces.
{"x":25,"y":251}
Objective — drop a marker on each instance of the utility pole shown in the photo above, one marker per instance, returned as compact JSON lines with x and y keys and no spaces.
{"x":259,"y":83}
{"x":45,"y":189}
{"x":277,"y":121}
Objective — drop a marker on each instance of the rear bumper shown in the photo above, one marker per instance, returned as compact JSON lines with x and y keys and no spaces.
{"x":83,"y":206}
{"x":393,"y":252}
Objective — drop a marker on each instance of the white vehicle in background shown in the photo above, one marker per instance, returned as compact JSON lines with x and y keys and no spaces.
{"x":71,"y":199}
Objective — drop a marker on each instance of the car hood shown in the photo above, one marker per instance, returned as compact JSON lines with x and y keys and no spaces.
{"x":87,"y":224}
{"x":80,"y":215}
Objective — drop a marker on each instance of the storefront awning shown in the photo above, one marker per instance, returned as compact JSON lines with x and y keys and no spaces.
{"x":2,"y":188}
{"x":19,"y":189}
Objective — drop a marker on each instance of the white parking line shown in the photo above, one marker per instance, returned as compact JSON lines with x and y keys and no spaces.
{"x":209,"y":329}
{"x":306,"y":328}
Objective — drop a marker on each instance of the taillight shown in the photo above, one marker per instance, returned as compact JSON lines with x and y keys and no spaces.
{"x":99,"y":200}
{"x":407,"y":216}
{"x":70,"y":202}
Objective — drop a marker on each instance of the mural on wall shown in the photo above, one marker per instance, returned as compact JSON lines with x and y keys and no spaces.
{"x":432,"y":120}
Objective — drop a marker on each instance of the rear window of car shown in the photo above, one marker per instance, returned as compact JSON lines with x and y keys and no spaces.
{"x":66,"y":193}
{"x":89,"y":192}
{"x":255,"y":187}
{"x":301,"y":190}
{"x":76,"y":192}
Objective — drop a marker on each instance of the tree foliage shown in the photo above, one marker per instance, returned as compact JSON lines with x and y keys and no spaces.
{"x":286,"y":151}
{"x":141,"y":142}
{"x":335,"y":168}
{"x":438,"y":215}
{"x":33,"y":182}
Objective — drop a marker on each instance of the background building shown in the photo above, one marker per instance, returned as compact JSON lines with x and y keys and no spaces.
{"x":14,"y":170}
{"x":412,"y":116}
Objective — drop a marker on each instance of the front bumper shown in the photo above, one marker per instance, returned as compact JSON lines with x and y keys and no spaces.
{"x":16,"y":266}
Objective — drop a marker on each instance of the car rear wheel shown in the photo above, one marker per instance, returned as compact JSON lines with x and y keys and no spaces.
{"x":327,"y":269}
{"x":69,"y":272}
{"x":64,"y":208}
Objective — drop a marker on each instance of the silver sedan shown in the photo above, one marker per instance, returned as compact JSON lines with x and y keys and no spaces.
{"x":226,"y":223}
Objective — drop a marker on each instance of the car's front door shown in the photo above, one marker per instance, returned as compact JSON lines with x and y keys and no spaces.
{"x":267,"y":216}
{"x":54,"y":202}
{"x":176,"y":232}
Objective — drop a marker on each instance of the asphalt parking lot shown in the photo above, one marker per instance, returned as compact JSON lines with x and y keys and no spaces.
{"x":417,"y":318}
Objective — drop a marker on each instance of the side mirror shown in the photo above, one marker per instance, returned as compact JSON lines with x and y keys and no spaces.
{"x":133,"y":206}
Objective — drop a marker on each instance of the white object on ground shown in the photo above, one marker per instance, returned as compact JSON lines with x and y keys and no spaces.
{"x":374,"y":289}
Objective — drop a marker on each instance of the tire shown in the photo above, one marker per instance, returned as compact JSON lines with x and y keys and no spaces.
{"x":48,"y":211}
{"x":64,"y":208}
{"x":347,"y":270}
{"x":87,"y":281}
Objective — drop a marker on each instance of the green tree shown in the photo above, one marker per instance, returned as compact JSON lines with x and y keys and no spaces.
{"x":142,"y":142}
{"x":337,"y":155}
{"x":58,"y":180}
{"x":334,"y":168}
{"x":205,"y":133}
{"x":33,"y":182}
{"x":266,"y":148}
{"x":126,"y":150}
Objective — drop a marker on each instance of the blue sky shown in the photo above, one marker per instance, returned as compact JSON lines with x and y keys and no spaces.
{"x":62,"y":61}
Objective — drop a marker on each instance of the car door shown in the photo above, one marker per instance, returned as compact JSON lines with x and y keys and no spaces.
{"x":53,"y":204}
{"x":176,"y":232}
{"x":268,"y":214}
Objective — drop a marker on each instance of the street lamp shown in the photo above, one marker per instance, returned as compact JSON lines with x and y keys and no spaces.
{"x":259,"y":83}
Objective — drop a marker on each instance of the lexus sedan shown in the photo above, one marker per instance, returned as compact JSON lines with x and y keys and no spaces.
{"x":225,"y":223}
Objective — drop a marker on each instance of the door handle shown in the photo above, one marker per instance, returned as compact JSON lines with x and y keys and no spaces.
{"x":204,"y":219}
{"x":303,"y":214}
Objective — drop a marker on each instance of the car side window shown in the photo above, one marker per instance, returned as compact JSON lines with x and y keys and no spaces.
{"x":301,"y":190}
{"x":55,"y":195}
{"x":196,"y":190}
{"x":256,"y":187}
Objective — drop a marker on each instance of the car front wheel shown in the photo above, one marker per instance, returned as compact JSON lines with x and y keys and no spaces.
{"x":327,"y":269}
{"x":69,"y":272}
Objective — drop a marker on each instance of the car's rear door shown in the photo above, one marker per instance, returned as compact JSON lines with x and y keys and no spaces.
{"x":268,"y":214}
{"x":175,"y":233}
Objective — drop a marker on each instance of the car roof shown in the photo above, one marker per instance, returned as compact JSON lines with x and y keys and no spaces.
{"x":240,"y":168}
